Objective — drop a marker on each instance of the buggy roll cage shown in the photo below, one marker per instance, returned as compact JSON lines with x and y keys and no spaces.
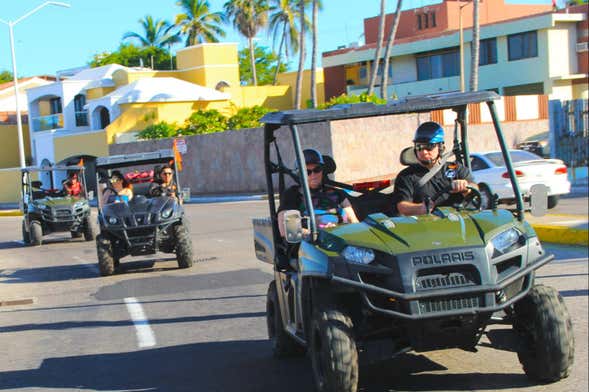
{"x":106,"y":164}
{"x":26,"y":180}
{"x":456,"y":101}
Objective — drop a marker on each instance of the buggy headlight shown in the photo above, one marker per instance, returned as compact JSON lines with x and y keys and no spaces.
{"x":505,"y":241}
{"x":112,"y":220}
{"x":167,"y":213}
{"x":358,"y":255}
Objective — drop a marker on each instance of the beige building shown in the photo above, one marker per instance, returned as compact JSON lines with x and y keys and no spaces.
{"x":524,"y":49}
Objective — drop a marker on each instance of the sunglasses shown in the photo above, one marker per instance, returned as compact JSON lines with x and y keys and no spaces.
{"x":318,"y":169}
{"x":115,"y":179}
{"x":167,"y":173}
{"x":427,"y":147}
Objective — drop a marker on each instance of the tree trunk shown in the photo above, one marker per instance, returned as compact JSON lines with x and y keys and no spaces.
{"x":378,"y":47}
{"x":314,"y":56}
{"x":387,"y":53}
{"x":299,"y":87}
{"x":250,"y":41}
{"x":474,"y":48}
{"x":279,"y":54}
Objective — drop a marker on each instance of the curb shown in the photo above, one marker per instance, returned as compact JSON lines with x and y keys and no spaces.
{"x":10,"y":213}
{"x":562,"y":235}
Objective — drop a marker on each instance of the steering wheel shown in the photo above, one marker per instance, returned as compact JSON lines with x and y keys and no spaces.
{"x":473,"y":198}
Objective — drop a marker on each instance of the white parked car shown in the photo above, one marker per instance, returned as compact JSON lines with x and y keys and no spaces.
{"x":489,"y":172}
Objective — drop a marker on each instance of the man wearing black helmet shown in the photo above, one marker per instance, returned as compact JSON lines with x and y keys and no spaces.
{"x":449,"y":182}
{"x":329,"y":200}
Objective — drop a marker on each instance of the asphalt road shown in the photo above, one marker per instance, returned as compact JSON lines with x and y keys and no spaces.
{"x":155,"y":327}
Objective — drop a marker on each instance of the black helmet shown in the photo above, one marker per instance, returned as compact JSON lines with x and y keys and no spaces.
{"x":429,"y":132}
{"x":313,"y":156}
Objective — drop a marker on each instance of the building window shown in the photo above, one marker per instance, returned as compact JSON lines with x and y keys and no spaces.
{"x":419,"y":27}
{"x":522,"y":46}
{"x":362,"y":72}
{"x":488,"y":51}
{"x":425,"y":21}
{"x":55,"y":105}
{"x":81,"y":113}
{"x":438,"y":65}
{"x":433,"y":19}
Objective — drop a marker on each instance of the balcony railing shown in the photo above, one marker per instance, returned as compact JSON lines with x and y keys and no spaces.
{"x":82,"y":119}
{"x":45,"y":123}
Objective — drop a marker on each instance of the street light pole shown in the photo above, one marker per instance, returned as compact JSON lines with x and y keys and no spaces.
{"x":11,"y":24}
{"x":461,"y":38}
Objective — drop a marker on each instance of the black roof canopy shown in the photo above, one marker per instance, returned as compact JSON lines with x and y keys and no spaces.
{"x":142,"y":158}
{"x":410,"y":104}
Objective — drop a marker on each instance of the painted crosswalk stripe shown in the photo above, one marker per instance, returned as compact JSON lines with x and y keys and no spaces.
{"x":145,"y":336}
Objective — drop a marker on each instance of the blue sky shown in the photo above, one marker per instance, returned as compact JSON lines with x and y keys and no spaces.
{"x":57,"y":38}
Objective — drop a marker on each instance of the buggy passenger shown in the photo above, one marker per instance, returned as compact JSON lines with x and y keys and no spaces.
{"x":328,"y":202}
{"x":164,"y":185}
{"x":119,"y":190}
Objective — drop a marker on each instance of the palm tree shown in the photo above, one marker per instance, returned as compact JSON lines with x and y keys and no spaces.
{"x":474,"y":48}
{"x":198,"y":23}
{"x":378,"y":47}
{"x":248,"y":17}
{"x":316,"y":7}
{"x":157,"y":33}
{"x":387,"y":53}
{"x":299,"y":83}
{"x":282,"y":24}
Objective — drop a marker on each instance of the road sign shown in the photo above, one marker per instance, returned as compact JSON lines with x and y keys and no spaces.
{"x":181,"y":145}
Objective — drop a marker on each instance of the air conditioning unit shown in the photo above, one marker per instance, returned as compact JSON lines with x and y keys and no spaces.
{"x":582,"y":46}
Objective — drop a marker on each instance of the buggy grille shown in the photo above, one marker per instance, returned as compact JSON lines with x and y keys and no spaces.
{"x":445,"y":304}
{"x":454,"y":279}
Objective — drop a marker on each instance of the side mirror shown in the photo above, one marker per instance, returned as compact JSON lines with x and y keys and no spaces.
{"x":90,"y":195}
{"x":185,"y":194}
{"x":539,"y":199}
{"x":293,"y":227}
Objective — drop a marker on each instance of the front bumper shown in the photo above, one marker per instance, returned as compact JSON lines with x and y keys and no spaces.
{"x":456,"y":301}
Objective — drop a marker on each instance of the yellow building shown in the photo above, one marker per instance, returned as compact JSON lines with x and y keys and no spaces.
{"x":118,"y":102}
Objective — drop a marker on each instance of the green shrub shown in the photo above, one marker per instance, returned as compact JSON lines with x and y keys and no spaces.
{"x":247,"y":117}
{"x":205,"y":121}
{"x":158,"y":131}
{"x":343,"y":99}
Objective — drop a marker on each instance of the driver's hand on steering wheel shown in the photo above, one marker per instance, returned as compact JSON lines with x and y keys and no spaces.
{"x":459,"y":186}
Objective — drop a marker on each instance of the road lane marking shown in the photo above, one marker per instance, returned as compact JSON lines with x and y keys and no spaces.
{"x":145,"y":336}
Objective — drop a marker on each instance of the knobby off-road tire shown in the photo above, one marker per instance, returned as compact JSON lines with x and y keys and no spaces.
{"x":283,"y":345}
{"x":106,"y":261}
{"x":89,"y":229}
{"x":544,"y":325}
{"x":26,"y":239}
{"x":183,"y":246}
{"x":552,"y":201}
{"x":35,"y":233}
{"x":333,"y":352}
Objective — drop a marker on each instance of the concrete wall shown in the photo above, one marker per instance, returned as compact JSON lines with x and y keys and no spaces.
{"x":10,"y":190}
{"x":9,"y":154}
{"x":232,"y":161}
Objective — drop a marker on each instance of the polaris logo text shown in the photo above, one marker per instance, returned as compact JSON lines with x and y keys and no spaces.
{"x":443,"y":258}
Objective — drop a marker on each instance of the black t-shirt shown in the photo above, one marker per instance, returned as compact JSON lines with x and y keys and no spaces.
{"x":407,"y":184}
{"x":323,"y":198}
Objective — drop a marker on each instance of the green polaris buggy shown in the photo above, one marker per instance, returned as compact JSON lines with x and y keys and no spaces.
{"x":48,"y":208}
{"x":406,"y":283}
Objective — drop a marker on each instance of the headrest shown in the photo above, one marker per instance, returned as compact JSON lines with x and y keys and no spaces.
{"x":408,"y":157}
{"x":329,"y":165}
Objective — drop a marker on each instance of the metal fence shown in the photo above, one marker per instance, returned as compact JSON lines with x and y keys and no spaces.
{"x":569,"y":131}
